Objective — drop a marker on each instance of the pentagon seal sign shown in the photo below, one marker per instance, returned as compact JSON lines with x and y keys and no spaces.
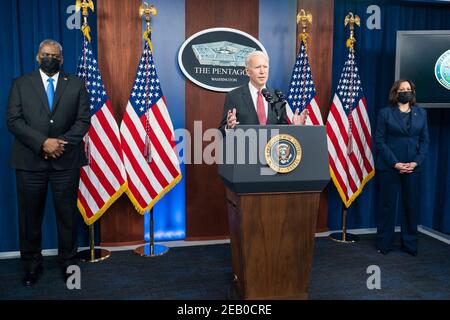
{"x":215,"y":58}
{"x":442,"y":70}
{"x":223,"y":53}
{"x":283,"y":153}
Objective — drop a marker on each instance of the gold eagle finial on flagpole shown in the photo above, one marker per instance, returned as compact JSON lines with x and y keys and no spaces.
{"x":84,"y":5}
{"x":351,"y":20}
{"x":148,"y":11}
{"x":304,"y":18}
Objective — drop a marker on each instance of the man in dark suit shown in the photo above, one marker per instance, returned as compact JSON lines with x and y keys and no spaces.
{"x":246,"y":104}
{"x":48,"y":114}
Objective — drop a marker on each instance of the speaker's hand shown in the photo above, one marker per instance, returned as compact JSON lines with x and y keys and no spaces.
{"x":299,"y":119}
{"x":232,"y":119}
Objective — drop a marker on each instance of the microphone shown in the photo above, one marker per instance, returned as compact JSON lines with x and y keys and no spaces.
{"x":280,"y":95}
{"x":268,"y":96}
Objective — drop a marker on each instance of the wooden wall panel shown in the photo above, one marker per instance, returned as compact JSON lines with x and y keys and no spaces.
{"x":206,"y":210}
{"x":119,"y":50}
{"x":320,"y":52}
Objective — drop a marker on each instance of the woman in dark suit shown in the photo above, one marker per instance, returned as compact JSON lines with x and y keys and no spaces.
{"x":402,"y":142}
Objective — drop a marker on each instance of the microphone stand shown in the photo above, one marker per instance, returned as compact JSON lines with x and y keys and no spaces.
{"x":279,"y":111}
{"x":274,"y":108}
{"x":281,"y":98}
{"x":271,"y":101}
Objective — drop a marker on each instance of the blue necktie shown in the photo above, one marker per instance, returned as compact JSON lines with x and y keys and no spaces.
{"x":50,"y":92}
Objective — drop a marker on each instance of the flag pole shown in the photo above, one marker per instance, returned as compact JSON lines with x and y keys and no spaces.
{"x":344,"y":237}
{"x":151,"y":249}
{"x":93,"y":254}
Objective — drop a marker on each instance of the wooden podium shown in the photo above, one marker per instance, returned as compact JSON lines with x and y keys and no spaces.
{"x":272,"y":216}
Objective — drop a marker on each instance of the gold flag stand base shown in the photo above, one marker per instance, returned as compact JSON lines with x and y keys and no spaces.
{"x":344,"y":237}
{"x":93,"y":254}
{"x":149,"y":250}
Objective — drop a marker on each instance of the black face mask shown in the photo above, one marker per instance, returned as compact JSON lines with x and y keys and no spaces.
{"x":50,"y":65}
{"x":404,"y":97}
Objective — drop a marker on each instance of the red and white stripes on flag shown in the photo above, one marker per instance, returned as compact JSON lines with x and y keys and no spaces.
{"x":349,"y":135}
{"x":103,"y":180}
{"x":302,"y":92}
{"x":147,"y":137}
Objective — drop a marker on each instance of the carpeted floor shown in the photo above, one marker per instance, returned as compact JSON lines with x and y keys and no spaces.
{"x":204,"y":272}
{"x":340,"y":271}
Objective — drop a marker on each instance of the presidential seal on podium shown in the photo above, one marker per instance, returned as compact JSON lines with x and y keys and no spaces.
{"x":283,"y":153}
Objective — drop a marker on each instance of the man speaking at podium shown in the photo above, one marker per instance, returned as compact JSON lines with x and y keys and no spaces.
{"x":247,"y":105}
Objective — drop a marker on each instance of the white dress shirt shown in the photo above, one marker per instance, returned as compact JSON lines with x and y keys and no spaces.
{"x":45,"y":78}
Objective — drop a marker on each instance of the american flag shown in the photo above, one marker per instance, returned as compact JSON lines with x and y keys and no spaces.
{"x":302,"y":93}
{"x":349,"y":135}
{"x":148,"y":141}
{"x":103,"y":180}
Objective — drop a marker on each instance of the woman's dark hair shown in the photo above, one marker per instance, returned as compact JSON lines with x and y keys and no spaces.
{"x":394,"y":90}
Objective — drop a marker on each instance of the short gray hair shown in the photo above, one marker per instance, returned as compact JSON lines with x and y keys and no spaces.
{"x":254,"y":54}
{"x":51,"y":42}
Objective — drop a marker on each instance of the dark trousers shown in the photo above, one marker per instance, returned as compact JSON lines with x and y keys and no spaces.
{"x":393,"y":184}
{"x":32,"y":191}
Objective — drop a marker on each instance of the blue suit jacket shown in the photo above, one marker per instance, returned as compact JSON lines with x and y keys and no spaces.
{"x":395,"y":143}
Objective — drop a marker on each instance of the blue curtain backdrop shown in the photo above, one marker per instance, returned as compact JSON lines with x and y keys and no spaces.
{"x":376,"y":55}
{"x":278,"y":34}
